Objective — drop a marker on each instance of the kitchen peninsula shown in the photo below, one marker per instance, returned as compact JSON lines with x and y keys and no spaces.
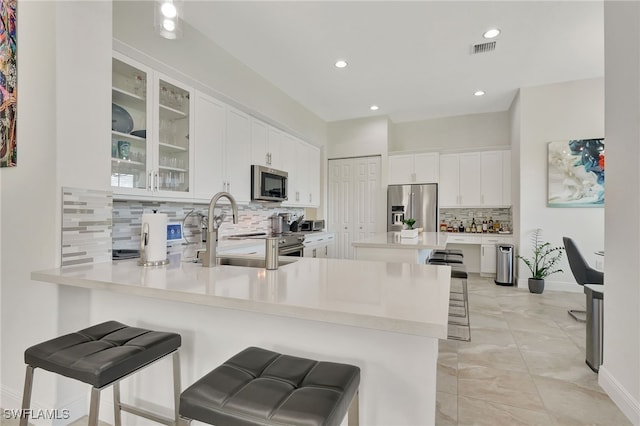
{"x":391,"y":247}
{"x":384,"y":317}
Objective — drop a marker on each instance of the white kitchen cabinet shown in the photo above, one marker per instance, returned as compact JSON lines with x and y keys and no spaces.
{"x":353,"y":201}
{"x":475,"y":179}
{"x":222,"y":139}
{"x":488,"y":259}
{"x":267,"y":145}
{"x":413,"y":168}
{"x":153,"y":155}
{"x":238,"y":163}
{"x":488,"y":252}
{"x":491,"y":179}
{"x":209,"y":139}
{"x":319,"y":245}
{"x":459,"y":184}
{"x":303,"y":166}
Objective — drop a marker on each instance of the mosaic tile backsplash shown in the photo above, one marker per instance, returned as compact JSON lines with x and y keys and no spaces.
{"x":127,"y":217}
{"x":86,"y":226}
{"x":500,"y":215}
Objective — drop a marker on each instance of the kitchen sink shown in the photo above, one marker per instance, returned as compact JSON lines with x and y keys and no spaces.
{"x":251,"y":262}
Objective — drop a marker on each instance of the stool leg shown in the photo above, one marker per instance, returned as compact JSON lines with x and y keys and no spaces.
{"x":26,"y":396}
{"x":354,"y":411}
{"x":94,"y":407}
{"x":117,"y":407}
{"x":176,"y":385}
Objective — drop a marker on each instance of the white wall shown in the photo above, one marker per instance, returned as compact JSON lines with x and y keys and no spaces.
{"x":64,"y":80}
{"x":206,"y":62}
{"x":29,"y":196}
{"x":573,"y":110}
{"x":470,"y":132}
{"x":620,"y":374}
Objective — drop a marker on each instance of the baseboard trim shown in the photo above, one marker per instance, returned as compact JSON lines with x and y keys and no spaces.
{"x":619,"y":395}
{"x":12,"y":400}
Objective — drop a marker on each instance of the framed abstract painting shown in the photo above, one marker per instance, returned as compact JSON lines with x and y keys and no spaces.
{"x":8,"y":83}
{"x":576,"y":173}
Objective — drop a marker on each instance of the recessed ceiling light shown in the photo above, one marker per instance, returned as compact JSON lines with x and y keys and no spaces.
{"x":479,"y":93}
{"x":374,"y":107}
{"x":169,"y":24}
{"x":492,"y":33}
{"x":168,"y":9}
{"x":341,"y":64}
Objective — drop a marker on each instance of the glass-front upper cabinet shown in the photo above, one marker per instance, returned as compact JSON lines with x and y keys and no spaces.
{"x":174,"y":133}
{"x":151,"y":150}
{"x":130,"y":116}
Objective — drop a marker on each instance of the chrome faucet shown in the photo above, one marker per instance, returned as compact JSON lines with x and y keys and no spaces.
{"x":213,"y":222}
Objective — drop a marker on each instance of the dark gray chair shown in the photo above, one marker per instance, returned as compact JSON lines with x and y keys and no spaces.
{"x":582,"y":272}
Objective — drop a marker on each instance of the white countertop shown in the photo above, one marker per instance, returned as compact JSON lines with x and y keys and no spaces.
{"x":397,"y":297}
{"x":425,"y":240}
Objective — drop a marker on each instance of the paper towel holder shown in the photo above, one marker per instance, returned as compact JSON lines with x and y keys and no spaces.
{"x":144,"y":240}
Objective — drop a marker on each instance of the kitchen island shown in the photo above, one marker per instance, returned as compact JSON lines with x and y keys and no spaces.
{"x":391,"y":247}
{"x":385,"y":318}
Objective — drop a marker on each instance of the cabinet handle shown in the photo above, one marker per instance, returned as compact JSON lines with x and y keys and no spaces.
{"x":266,"y":158}
{"x":483,"y":250}
{"x":325,"y":251}
{"x":314,"y":252}
{"x":310,"y":197}
{"x":157,"y":180}
{"x":150,"y":183}
{"x":228,"y":186}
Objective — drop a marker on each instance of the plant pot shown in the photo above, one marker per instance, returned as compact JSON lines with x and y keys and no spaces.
{"x":409,"y":233}
{"x":536,"y":285}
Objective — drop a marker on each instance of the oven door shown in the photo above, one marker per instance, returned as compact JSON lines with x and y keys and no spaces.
{"x":294,"y":251}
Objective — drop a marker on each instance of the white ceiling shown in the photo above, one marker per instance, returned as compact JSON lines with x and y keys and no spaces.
{"x":412,"y":58}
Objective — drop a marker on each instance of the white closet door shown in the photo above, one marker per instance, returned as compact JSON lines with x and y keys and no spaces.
{"x":340,"y":193}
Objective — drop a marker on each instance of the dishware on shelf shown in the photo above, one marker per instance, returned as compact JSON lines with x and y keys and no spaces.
{"x":123,"y":149}
{"x":140,"y":133}
{"x":121,"y":120}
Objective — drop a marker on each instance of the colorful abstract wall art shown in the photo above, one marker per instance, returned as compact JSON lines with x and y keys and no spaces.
{"x":576,"y":173}
{"x":8,"y":83}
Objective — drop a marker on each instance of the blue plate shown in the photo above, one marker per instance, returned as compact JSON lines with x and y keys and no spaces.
{"x":140,"y":133}
{"x":121,"y":121}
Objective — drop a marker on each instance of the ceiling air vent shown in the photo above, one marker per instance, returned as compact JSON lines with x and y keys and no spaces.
{"x":489,"y":46}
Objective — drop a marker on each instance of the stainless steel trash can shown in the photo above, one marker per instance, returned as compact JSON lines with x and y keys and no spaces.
{"x":595,"y":317}
{"x":504,"y":264}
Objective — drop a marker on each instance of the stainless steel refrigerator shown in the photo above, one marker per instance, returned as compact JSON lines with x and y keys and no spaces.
{"x":419,"y":202}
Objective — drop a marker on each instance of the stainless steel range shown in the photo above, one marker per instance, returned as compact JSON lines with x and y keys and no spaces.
{"x":289,"y":243}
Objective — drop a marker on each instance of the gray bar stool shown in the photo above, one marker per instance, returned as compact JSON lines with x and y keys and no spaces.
{"x":261,"y":387}
{"x":101,"y":356}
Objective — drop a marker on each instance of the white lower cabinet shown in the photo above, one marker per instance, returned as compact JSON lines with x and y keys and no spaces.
{"x":488,"y":259}
{"x":319,"y":245}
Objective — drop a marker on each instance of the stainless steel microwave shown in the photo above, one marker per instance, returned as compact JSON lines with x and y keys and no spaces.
{"x":268,"y":184}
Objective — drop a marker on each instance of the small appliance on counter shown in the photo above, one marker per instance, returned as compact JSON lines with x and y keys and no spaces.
{"x":153,"y":239}
{"x":312,"y":225}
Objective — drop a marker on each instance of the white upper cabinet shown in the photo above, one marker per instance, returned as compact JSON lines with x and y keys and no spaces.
{"x":209,"y":138}
{"x":222,"y":139}
{"x":151,"y":148}
{"x":170,"y":141}
{"x":413,"y":168}
{"x":469,"y":192}
{"x":238,"y":163}
{"x":475,"y":179}
{"x":259,"y":142}
{"x":491,"y":177}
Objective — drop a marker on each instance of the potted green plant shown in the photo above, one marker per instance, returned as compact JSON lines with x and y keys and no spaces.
{"x":543,"y":262}
{"x":409,"y":232}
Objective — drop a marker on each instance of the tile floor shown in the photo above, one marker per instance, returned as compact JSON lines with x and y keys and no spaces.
{"x":524,"y":364}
